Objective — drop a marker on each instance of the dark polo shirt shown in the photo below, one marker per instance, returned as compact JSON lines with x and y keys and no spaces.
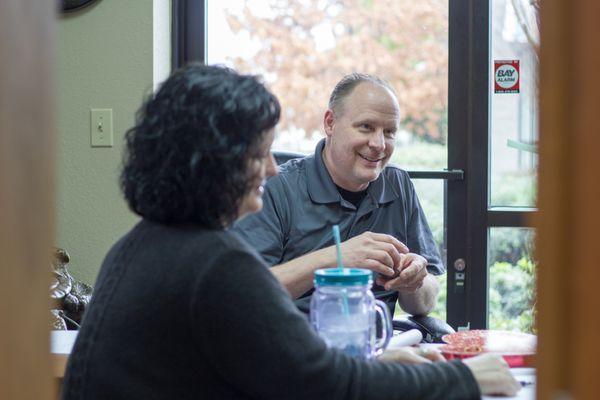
{"x":301,"y":204}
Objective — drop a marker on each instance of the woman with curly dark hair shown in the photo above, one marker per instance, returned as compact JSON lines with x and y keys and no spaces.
{"x":197,"y":149}
{"x":183,"y":308}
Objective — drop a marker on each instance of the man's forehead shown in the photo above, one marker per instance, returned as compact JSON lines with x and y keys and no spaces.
{"x":376,"y":118}
{"x":369,"y":96}
{"x":380,"y":110}
{"x":372,"y":89}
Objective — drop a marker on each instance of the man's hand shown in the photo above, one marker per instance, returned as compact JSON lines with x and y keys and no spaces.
{"x":412,"y":272}
{"x":375,"y":251}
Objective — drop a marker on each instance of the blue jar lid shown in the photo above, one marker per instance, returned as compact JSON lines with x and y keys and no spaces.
{"x":343,"y":277}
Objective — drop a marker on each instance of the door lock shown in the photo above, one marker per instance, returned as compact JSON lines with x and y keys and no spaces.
{"x":459,"y":275}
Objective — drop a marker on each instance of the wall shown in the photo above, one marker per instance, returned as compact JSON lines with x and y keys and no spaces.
{"x":105,"y":59}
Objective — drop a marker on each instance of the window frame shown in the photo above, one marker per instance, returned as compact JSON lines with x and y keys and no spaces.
{"x":188,"y":38}
{"x":469,"y":215}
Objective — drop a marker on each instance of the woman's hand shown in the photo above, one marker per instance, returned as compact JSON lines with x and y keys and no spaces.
{"x":493,"y":375}
{"x":411,"y":355}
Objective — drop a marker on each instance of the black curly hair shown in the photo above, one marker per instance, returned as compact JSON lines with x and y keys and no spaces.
{"x":188,"y":154}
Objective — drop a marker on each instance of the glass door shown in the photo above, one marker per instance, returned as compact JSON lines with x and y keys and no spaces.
{"x":491,"y":265}
{"x":513,"y":163}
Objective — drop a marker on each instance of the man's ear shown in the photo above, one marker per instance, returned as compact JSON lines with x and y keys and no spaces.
{"x":328,"y":122}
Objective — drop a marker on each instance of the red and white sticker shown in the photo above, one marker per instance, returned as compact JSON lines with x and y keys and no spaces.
{"x":506,"y":76}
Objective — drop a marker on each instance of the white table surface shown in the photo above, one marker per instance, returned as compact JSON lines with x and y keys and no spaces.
{"x":61,"y":343}
{"x":521,"y":374}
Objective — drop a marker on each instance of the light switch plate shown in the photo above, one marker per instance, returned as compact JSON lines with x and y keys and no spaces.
{"x":101,"y":129}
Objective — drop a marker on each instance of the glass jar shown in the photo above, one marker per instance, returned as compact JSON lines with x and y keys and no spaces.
{"x":344,"y":312}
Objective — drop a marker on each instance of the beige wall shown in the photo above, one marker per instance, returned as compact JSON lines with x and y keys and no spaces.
{"x":105,"y":59}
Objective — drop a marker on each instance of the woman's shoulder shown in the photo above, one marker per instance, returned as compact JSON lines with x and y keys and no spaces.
{"x":152,"y":244}
{"x":228,"y":261}
{"x":231,"y":242}
{"x":181,"y":242}
{"x":216,"y":244}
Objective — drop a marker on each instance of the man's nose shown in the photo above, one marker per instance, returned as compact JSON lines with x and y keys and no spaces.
{"x":377,"y":140}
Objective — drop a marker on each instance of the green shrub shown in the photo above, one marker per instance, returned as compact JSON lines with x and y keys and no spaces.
{"x":511,"y":296}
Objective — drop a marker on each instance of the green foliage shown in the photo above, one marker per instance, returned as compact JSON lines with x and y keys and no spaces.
{"x":368,"y":4}
{"x":513,"y":189}
{"x":511,"y":296}
{"x":387,"y":42}
{"x":420,"y":155}
{"x":440,"y":309}
{"x":510,"y":244}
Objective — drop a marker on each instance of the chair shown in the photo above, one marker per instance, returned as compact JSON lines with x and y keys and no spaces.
{"x":282,"y":157}
{"x":432,"y":329}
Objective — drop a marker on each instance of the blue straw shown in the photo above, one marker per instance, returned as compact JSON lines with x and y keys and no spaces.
{"x":338,"y":246}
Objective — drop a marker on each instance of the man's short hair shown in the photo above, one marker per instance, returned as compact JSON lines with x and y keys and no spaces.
{"x":349,"y":82}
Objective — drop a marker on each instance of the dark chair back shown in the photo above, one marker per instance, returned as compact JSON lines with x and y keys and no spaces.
{"x":284,"y":156}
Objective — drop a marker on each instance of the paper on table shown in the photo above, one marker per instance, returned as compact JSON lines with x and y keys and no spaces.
{"x":407,"y":338}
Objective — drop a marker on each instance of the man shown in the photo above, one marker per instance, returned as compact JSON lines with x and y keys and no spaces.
{"x":346,"y":182}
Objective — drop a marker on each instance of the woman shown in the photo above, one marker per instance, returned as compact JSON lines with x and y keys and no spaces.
{"x":184,"y":309}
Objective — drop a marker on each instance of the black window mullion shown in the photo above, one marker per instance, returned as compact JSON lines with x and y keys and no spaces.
{"x":188,"y":32}
{"x":478,"y":188}
{"x":451,"y":175}
{"x":457,"y":141}
{"x":468,"y":127}
{"x":510,"y":217}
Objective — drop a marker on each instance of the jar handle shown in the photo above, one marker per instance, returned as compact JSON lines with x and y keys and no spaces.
{"x":386,"y":331}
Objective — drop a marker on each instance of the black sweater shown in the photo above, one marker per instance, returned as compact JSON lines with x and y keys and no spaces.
{"x":187,"y":313}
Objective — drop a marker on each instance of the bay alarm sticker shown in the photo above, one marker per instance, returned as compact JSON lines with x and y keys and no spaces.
{"x":506,"y":76}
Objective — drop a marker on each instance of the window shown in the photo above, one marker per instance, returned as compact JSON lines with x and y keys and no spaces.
{"x":512,"y":279}
{"x":492,"y":135}
{"x":513,"y":120}
{"x":302,"y":48}
{"x":471,"y":152}
{"x":513,"y":165}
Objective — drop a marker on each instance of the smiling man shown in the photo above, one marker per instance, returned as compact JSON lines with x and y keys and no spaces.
{"x":347,"y":182}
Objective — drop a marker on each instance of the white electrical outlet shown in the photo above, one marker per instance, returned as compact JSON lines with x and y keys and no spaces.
{"x":101,"y":129}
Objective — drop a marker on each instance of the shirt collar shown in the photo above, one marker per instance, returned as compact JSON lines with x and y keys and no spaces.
{"x":321,"y":188}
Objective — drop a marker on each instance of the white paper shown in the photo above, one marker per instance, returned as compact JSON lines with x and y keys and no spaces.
{"x":408,"y":338}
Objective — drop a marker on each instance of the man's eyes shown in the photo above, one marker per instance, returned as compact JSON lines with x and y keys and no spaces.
{"x":366,"y":127}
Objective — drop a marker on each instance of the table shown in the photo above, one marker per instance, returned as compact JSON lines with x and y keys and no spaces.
{"x":61,"y":343}
{"x":521,"y":374}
